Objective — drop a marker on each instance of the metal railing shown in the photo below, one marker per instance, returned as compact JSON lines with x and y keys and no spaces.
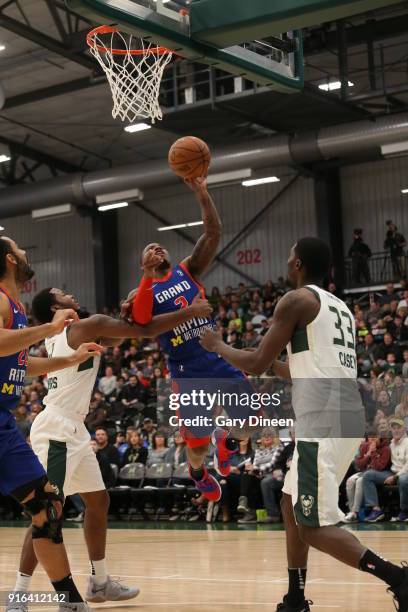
{"x":380,"y":269}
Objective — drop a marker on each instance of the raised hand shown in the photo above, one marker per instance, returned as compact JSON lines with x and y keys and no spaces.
{"x":85,"y":351}
{"x":211,"y":340}
{"x":198,"y":184}
{"x":62,"y":318}
{"x":201,"y":307}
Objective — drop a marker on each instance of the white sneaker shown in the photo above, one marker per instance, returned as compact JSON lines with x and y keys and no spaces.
{"x":74,"y":607}
{"x":112,"y":590}
{"x":17,"y":606}
{"x":351,"y":517}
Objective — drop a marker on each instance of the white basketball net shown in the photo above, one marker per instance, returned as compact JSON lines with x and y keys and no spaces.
{"x":134,"y":79}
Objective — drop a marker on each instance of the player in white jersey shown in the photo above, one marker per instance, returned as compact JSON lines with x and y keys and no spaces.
{"x":319,"y":332}
{"x":59,"y":436}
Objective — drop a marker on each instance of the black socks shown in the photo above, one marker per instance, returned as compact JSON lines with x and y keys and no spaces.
{"x":382,"y":569}
{"x":297,"y":581}
{"x":67,"y":585}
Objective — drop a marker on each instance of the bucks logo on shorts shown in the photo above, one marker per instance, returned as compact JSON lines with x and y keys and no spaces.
{"x":307,"y":502}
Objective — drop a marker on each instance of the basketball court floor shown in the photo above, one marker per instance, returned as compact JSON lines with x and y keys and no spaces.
{"x":200,"y":568}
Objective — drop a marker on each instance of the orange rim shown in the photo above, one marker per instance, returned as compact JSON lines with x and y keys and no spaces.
{"x":104,"y":29}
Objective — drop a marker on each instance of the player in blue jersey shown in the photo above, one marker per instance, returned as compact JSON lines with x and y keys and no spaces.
{"x":21,"y":474}
{"x":166,"y":288}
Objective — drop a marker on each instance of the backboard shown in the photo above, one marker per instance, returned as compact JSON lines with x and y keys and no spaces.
{"x":273,"y":61}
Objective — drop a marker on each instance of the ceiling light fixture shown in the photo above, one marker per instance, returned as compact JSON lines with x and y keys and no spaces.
{"x":261,"y":181}
{"x":112,"y":206}
{"x":179,"y":226}
{"x":137,"y":127}
{"x":333,"y":85}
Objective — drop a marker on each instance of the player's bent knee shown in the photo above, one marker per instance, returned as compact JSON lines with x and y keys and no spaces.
{"x":98,"y":501}
{"x":44,"y":504}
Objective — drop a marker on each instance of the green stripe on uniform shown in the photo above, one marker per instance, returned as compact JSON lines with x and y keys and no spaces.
{"x":299,"y":341}
{"x":57,"y":463}
{"x":307,"y":504}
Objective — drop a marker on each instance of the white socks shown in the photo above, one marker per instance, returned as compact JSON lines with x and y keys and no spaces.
{"x":22,"y":582}
{"x":99,"y":572}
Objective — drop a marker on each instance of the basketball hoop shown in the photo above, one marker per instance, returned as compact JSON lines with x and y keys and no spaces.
{"x":134,"y":71}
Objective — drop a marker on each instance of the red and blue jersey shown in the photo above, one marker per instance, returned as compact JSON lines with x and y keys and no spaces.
{"x":187,"y":358}
{"x":13,"y":367}
{"x":178,"y":290}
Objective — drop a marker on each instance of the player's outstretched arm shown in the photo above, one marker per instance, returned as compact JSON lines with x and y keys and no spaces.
{"x":37,"y":366}
{"x":14,"y":340}
{"x":205,"y":250}
{"x":256,"y":362}
{"x":102,"y":326}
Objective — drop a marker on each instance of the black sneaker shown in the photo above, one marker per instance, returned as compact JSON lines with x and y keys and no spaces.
{"x":400,"y":593}
{"x":302,"y":607}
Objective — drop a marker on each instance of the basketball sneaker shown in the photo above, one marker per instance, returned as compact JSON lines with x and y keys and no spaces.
{"x":112,"y":590}
{"x":222,"y":456}
{"x":302,"y":607}
{"x":208,"y":486}
{"x":400,"y":593}
{"x":19,"y":606}
{"x":74,"y":607}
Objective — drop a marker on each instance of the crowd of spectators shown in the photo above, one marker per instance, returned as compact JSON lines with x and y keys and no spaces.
{"x":128,"y":418}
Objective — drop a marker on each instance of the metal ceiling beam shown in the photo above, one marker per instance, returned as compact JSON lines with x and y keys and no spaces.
{"x":37,"y":37}
{"x":24,"y":150}
{"x":317,"y":40}
{"x":188,"y":238}
{"x":52,"y":91}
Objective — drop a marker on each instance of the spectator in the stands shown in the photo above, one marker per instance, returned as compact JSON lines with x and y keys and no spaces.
{"x":22,"y":421}
{"x":396,"y":475}
{"x":109,"y":451}
{"x":405,"y":364}
{"x":395,"y":243}
{"x":272,"y":483}
{"x":366,"y":353}
{"x":120,"y":441}
{"x":387,"y":346}
{"x":108,"y":476}
{"x":177,"y":453}
{"x":130,"y":355}
{"x":390,"y":294}
{"x":107,"y":384}
{"x":235,"y":322}
{"x":133,"y":396}
{"x":265,"y":459}
{"x":215,"y":297}
{"x":148,"y":431}
{"x":136,"y":452}
{"x":403,"y":303}
{"x":360,"y":253}
{"x":374,"y":454}
{"x":159,"y":449}
{"x":384,"y":406}
{"x":402,"y":408}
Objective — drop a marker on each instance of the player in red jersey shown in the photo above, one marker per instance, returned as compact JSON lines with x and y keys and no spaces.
{"x":166,"y":289}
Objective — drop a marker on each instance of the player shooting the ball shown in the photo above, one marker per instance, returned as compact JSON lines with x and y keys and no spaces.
{"x":165,"y":288}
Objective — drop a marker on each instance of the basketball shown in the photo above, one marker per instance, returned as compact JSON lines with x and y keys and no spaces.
{"x":189,"y":157}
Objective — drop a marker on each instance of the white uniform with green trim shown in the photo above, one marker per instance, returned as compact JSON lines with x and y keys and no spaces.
{"x":328,"y":409}
{"x":58,"y":435}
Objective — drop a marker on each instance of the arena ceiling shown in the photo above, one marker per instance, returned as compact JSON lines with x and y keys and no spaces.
{"x":57,"y":115}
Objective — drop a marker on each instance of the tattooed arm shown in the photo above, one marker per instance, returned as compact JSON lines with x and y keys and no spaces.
{"x":205,"y":250}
